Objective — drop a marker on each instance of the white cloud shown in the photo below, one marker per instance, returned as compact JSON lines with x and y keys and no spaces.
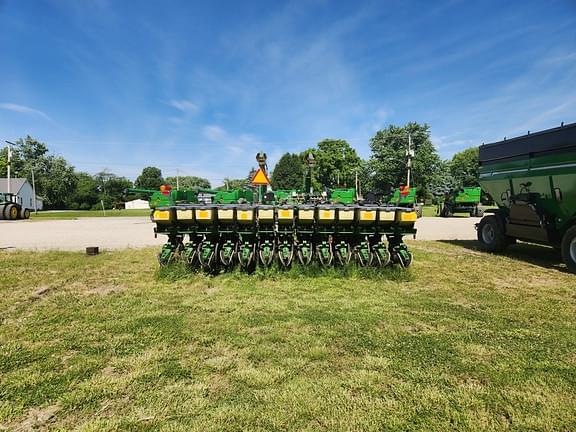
{"x":186,"y":106}
{"x":215,"y":133}
{"x":23,"y":109}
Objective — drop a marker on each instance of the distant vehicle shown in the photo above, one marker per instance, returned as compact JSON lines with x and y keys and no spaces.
{"x":532,"y":178}
{"x":11,"y":207}
{"x":405,"y":196}
{"x":461,"y":200}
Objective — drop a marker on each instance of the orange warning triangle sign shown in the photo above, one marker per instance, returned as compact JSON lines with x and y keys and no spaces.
{"x":260,"y":178}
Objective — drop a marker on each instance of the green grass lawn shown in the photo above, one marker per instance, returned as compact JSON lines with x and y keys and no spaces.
{"x":75,"y":214}
{"x":463,"y":341}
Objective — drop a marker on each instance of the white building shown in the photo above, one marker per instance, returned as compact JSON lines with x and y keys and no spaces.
{"x":137,"y":204}
{"x":22,"y":188}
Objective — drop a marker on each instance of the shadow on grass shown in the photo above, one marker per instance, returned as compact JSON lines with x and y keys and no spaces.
{"x":542,"y":256}
{"x":178,"y":271}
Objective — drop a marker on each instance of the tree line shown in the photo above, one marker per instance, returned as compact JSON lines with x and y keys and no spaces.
{"x":62,"y":187}
{"x":336,"y":165}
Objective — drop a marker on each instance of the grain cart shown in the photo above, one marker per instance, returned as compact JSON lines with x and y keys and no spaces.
{"x":462,"y":200}
{"x":286,"y":227}
{"x":11,"y":207}
{"x":532,"y":179}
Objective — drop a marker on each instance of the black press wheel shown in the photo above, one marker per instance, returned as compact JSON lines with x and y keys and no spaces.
{"x":491,"y":235}
{"x":569,"y":249}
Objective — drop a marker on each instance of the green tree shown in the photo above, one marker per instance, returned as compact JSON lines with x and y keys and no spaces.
{"x":230,"y":184}
{"x":189,"y":182}
{"x":464,"y":167}
{"x":336,"y":163}
{"x":54,"y":176}
{"x":111,"y":189}
{"x":85,"y":195}
{"x":55,"y":181}
{"x":288,"y":172}
{"x":151,"y":178}
{"x":388,"y":162}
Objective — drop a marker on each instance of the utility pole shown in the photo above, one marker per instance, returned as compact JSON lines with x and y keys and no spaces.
{"x":177,"y":179}
{"x":409,"y":155}
{"x":9,"y":162}
{"x":34,"y":192}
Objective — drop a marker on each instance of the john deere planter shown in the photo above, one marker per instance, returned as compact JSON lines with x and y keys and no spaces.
{"x":218,"y":230}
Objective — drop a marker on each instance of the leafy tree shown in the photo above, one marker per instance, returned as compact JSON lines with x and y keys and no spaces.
{"x":288,"y":172}
{"x":189,"y":182}
{"x":55,"y":179}
{"x":388,"y":160}
{"x":441,"y":180}
{"x":464,"y":167}
{"x":336,"y":163}
{"x":151,"y":178}
{"x":234,"y":184}
{"x":85,"y":195}
{"x":366,"y":177}
{"x":111,"y":189}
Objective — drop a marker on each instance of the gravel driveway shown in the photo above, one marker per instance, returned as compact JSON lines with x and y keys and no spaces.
{"x":135,"y":232}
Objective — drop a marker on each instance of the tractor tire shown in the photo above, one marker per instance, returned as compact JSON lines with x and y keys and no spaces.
{"x":24,"y":213}
{"x":11,"y":212}
{"x":491,"y":235}
{"x":2,"y":211}
{"x":569,"y":248}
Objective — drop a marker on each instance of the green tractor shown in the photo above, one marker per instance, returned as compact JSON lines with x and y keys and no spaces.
{"x":532,"y":179}
{"x":11,"y":207}
{"x":461,"y":200}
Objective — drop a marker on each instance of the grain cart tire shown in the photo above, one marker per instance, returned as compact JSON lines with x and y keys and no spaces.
{"x":569,"y":249}
{"x":24,"y":213}
{"x":11,"y":212}
{"x":491,"y":235}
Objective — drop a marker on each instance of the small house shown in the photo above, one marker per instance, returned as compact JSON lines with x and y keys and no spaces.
{"x":22,"y":188}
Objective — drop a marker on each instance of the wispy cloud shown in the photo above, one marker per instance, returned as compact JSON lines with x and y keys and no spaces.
{"x":23,"y":109}
{"x":186,"y":106}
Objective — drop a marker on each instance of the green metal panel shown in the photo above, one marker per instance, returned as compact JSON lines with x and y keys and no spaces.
{"x":547,"y":179}
{"x":468,"y":195}
{"x":408,"y":199}
{"x":343,"y":196}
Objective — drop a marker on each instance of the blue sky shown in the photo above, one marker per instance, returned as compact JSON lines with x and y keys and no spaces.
{"x":200,"y":87}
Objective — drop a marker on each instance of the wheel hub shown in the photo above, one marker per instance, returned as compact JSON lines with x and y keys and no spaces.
{"x":488,"y":233}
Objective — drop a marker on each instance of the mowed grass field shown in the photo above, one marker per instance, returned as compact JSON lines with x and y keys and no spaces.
{"x":75,"y":214}
{"x":462,"y":341}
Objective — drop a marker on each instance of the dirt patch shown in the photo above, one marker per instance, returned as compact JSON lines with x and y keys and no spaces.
{"x":105,"y":290}
{"x":445,"y":252}
{"x":91,"y":288}
{"x":41,"y":292}
{"x":109,"y":371}
{"x":211,"y":290}
{"x":36,"y":419}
